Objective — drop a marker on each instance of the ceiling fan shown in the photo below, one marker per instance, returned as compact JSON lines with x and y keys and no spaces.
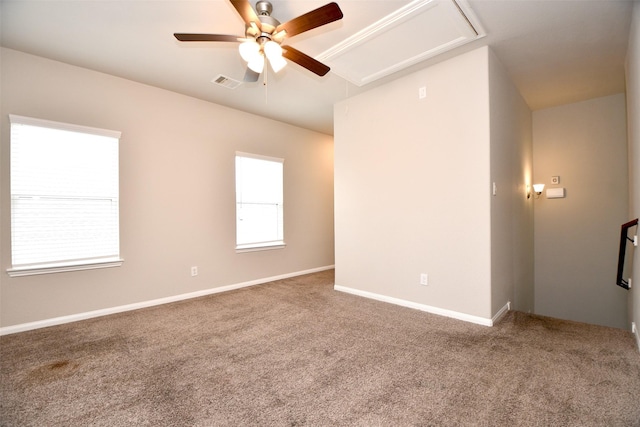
{"x":264,"y":36}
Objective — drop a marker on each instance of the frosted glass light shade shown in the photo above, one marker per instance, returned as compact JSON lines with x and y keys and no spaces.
{"x":272,"y":50}
{"x":257,"y":64}
{"x":249,"y":50}
{"x":274,"y":54}
{"x":277,"y":63}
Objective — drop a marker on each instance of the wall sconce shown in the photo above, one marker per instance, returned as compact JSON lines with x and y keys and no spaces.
{"x":537,"y":188}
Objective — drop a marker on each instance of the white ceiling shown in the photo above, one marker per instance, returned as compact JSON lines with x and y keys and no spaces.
{"x":556,"y":51}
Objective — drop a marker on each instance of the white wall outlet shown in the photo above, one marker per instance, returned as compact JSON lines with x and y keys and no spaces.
{"x":422,"y":92}
{"x":194,"y":271}
{"x":555,"y":180}
{"x":424,"y":279}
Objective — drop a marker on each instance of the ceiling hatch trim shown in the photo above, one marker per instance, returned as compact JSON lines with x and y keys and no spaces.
{"x":429,"y":28}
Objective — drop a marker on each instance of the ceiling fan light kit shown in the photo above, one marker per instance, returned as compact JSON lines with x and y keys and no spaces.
{"x":273,"y":51}
{"x":256,"y":64}
{"x":264,"y":36}
{"x":249,"y":49}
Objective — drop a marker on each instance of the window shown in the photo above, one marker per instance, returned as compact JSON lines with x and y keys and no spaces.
{"x":259,"y":202}
{"x":64,"y":197}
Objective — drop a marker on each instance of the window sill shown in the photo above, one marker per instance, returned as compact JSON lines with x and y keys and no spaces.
{"x":61,"y":268}
{"x":253,"y":247}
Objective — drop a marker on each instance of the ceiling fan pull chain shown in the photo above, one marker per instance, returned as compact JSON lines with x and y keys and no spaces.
{"x":266,"y":87}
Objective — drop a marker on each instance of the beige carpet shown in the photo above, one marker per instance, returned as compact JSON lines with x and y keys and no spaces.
{"x":296,"y":352}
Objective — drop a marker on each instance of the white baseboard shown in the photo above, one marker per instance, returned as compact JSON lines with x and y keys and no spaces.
{"x":636,"y":333}
{"x":144,"y":304}
{"x":504,"y":310}
{"x":427,"y":308}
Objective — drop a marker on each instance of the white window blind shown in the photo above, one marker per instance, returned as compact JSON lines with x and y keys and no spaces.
{"x":64,"y":195}
{"x":259,"y":202}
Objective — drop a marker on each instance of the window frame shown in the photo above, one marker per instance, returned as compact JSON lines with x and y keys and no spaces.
{"x":47,"y":267}
{"x":265,"y":245}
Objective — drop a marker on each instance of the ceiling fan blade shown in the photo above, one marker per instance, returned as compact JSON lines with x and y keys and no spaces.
{"x":250,"y":76}
{"x":304,"y":60}
{"x":185,"y":37}
{"x":246,"y":12}
{"x":316,"y":18}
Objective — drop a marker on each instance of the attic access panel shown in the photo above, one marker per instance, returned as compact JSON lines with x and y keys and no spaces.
{"x":418,"y":31}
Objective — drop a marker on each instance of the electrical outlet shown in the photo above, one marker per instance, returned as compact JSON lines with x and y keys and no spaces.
{"x":194,"y":271}
{"x":424,"y":279}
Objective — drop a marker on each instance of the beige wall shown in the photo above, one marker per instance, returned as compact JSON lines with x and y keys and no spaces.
{"x":633,"y":123}
{"x":177,"y":190}
{"x":412,"y":188}
{"x":577,"y":237}
{"x":511,"y":211}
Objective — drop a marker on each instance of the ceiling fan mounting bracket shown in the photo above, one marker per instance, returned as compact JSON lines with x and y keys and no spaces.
{"x":264,"y":8}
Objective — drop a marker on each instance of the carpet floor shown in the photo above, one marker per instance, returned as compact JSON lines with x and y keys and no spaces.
{"x":295,"y":352}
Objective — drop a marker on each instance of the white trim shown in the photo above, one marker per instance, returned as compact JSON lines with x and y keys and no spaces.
{"x":259,"y":157}
{"x":504,"y":310}
{"x":464,"y":20}
{"x":636,"y":333}
{"x":61,"y":268}
{"x":395,"y":18}
{"x":413,"y":60}
{"x":423,"y":307}
{"x":30,"y":121}
{"x":253,"y":247}
{"x":144,"y":304}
